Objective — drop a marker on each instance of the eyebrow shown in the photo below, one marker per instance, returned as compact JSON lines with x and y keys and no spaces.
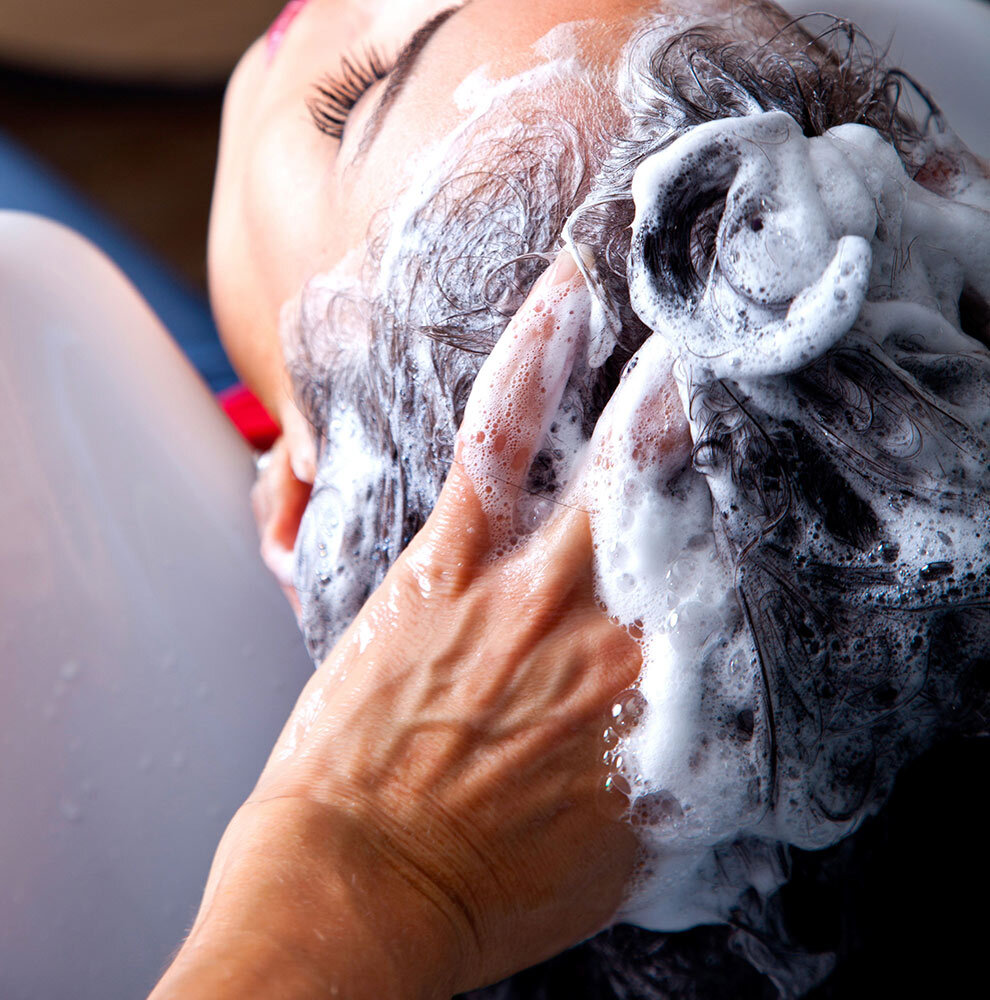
{"x":405,"y":62}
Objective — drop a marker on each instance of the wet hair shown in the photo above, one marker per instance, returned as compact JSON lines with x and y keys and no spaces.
{"x":483,"y":237}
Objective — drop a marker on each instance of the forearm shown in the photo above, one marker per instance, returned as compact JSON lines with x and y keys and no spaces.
{"x":279,"y":922}
{"x":249,"y":964}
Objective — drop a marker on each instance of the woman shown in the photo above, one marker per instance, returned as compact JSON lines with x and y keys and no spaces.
{"x":437,"y":812}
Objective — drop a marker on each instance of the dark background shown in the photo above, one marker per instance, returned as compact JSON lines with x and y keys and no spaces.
{"x":122,"y":98}
{"x":144,"y":154}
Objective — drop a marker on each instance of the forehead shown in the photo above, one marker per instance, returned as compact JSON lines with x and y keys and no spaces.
{"x":490,"y":42}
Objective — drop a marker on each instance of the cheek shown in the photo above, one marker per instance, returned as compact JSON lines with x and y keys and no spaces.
{"x":289,"y":203}
{"x":275,"y":193}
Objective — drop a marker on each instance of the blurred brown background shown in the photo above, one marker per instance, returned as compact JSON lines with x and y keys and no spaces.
{"x":122,"y":98}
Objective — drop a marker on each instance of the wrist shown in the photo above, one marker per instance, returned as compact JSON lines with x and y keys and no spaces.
{"x":300,"y":904}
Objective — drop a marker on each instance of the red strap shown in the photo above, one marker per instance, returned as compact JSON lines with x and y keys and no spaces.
{"x":249,"y":416}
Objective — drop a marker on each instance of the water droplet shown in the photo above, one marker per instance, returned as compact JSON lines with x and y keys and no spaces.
{"x":616,"y":783}
{"x":531,"y":512}
{"x":936,"y":570}
{"x":70,"y":809}
{"x":889,"y":551}
{"x":627,"y":710}
{"x":627,"y":582}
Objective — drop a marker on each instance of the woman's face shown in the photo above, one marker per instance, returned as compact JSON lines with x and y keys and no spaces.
{"x":292,"y":201}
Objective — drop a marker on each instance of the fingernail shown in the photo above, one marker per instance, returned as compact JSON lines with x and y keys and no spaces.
{"x":561,"y":270}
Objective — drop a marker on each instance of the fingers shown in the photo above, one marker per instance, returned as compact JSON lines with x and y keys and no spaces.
{"x":298,"y":434}
{"x":512,"y":404}
{"x":637,"y":479}
{"x":643,"y":432}
{"x":638,"y":453}
{"x":279,"y":499}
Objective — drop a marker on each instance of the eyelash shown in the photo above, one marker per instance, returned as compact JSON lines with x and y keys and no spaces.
{"x":336,"y":96}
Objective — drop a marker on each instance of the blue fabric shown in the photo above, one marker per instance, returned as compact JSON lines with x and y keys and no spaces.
{"x":27,"y":185}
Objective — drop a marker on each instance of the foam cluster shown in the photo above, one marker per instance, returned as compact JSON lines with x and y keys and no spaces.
{"x":659,"y":572}
{"x":789,"y":575}
{"x":789,"y":494}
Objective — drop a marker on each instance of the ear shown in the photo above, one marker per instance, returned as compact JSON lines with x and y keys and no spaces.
{"x":279,"y":497}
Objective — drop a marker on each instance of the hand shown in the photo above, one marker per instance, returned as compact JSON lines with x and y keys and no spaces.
{"x":280,"y":494}
{"x":435,"y":808}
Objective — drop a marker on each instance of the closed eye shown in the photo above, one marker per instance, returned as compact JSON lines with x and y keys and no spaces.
{"x":336,"y":94}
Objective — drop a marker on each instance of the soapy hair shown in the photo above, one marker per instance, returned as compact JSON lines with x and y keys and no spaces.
{"x":482,"y":238}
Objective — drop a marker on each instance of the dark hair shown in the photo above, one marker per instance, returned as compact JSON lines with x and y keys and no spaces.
{"x":837,"y":626}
